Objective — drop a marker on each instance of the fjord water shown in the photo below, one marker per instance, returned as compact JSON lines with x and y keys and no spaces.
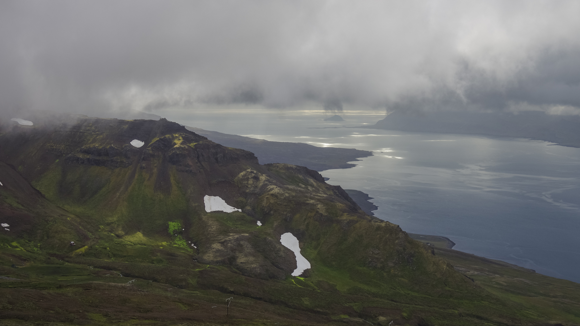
{"x":512,"y":200}
{"x":515,"y":200}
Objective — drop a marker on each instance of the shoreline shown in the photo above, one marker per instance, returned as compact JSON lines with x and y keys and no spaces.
{"x":312,"y":157}
{"x":436,"y":241}
{"x":315,"y":158}
{"x":362,"y":199}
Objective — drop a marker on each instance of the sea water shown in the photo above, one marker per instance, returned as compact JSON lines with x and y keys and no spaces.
{"x":515,"y":200}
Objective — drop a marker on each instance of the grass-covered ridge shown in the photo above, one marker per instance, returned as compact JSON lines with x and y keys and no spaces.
{"x":114,"y":234}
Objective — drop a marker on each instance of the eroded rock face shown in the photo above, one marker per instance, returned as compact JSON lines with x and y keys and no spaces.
{"x":208,"y":152}
{"x":109,"y":156}
{"x":110,"y":151}
{"x":254,"y":182}
{"x":98,"y":161}
{"x":162,"y":144}
{"x":263,"y":260}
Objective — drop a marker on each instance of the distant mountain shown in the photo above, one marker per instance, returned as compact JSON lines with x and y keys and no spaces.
{"x":316,"y":158}
{"x":335,"y":117}
{"x":312,"y":157}
{"x":563,"y":130}
{"x":105,"y":221}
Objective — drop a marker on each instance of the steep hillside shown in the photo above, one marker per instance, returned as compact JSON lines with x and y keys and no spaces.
{"x":32,"y":219}
{"x":83,"y":203}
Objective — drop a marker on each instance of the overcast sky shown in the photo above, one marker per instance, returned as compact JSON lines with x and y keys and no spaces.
{"x":150,"y":55}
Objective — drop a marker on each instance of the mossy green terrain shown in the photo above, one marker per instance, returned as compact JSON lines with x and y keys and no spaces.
{"x":105,"y":233}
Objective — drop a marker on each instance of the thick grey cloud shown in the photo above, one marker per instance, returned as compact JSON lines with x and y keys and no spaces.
{"x":148,"y":55}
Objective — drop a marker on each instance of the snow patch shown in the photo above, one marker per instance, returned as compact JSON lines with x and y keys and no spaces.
{"x":289,"y":241}
{"x":215,"y":204}
{"x":259,"y":223}
{"x":1,"y":184}
{"x":137,"y":143}
{"x":22,"y":122}
{"x":5,"y":225}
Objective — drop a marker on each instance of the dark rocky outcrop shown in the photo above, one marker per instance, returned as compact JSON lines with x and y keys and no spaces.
{"x":362,"y":200}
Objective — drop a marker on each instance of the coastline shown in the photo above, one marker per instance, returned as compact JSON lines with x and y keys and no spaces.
{"x":436,"y":241}
{"x":312,"y":157}
{"x":363,"y":201}
{"x":315,"y":158}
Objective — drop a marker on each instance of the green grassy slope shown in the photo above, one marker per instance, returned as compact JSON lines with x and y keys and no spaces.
{"x":138,"y":214}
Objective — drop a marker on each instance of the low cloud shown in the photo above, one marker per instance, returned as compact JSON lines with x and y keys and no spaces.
{"x":412,"y":55}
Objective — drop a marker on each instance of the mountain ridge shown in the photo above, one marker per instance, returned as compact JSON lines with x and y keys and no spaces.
{"x":108,"y":206}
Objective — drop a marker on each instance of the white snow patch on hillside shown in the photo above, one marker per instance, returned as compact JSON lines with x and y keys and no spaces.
{"x":137,"y":143}
{"x":1,"y":184}
{"x":22,"y":122}
{"x":5,"y":225}
{"x":215,"y":203}
{"x":289,"y":241}
{"x":259,"y":223}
